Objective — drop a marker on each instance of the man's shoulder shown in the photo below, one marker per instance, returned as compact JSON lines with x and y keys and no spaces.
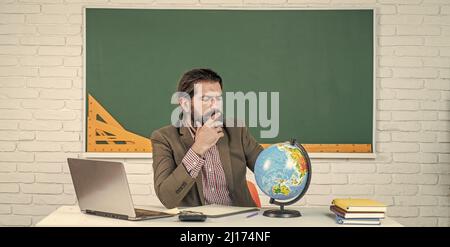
{"x":233,"y":123}
{"x":234,"y":126}
{"x":166,"y":131}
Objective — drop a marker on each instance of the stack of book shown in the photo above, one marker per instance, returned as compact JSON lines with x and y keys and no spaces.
{"x":358,"y":211}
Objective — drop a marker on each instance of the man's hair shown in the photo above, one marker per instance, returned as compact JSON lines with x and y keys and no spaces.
{"x":191,"y":77}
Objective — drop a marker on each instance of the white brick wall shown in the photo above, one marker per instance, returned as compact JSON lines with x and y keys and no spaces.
{"x":41,"y":99}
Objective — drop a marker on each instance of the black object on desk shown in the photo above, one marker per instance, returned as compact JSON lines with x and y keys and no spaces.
{"x":191,"y":216}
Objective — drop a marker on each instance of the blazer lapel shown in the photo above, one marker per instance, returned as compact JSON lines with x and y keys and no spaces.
{"x":186,"y":137}
{"x":187,"y":140}
{"x":224,"y":152}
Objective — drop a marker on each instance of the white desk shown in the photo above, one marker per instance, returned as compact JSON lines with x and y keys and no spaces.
{"x":311,"y":217}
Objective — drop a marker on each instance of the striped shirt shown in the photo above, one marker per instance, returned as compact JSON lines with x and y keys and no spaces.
{"x":215,"y":188}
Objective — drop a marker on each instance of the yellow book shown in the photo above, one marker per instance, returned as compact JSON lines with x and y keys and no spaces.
{"x":359,"y":205}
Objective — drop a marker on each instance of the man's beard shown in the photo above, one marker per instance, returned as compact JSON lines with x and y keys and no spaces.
{"x":197,"y":118}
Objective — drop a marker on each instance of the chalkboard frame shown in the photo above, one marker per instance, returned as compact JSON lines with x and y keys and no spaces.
{"x":371,"y":155}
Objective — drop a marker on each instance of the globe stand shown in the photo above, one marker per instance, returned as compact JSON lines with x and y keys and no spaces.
{"x":287,"y":213}
{"x":282,"y":213}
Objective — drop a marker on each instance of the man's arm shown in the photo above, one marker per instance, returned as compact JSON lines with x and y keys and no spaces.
{"x":172,"y":182}
{"x":251,"y":148}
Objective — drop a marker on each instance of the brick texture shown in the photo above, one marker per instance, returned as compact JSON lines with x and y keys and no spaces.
{"x":41,"y":99}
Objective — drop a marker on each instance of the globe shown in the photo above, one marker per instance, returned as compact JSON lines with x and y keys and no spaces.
{"x":283,"y":172}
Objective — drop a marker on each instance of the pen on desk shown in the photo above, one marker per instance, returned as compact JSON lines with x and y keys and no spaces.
{"x":253,"y":214}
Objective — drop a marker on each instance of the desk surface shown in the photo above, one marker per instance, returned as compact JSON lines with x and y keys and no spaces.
{"x":311,"y":217}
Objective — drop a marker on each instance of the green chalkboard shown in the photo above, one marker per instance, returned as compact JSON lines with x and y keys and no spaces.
{"x":320,"y":62}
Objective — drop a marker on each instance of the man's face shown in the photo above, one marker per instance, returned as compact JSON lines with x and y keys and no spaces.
{"x":207,"y":100}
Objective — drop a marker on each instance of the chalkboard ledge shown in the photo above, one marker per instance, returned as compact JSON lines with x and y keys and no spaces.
{"x":105,"y":155}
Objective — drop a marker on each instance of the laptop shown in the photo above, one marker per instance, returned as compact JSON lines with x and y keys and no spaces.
{"x":102,"y":189}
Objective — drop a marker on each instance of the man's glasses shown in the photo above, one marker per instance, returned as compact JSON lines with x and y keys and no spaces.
{"x":207,"y":99}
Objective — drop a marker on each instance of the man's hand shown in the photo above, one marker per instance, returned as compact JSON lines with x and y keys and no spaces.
{"x":207,"y":135}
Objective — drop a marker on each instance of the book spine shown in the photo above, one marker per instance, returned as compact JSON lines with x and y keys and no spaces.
{"x":339,"y":220}
{"x":359,"y":221}
{"x":365,"y":209}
